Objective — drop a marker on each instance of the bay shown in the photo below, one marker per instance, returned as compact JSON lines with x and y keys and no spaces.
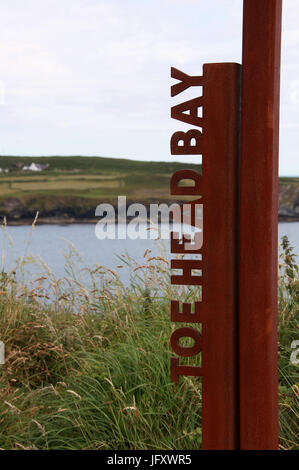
{"x":53,"y":243}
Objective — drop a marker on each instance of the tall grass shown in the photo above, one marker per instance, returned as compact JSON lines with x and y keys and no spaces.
{"x":288,"y":295}
{"x":87,"y":364}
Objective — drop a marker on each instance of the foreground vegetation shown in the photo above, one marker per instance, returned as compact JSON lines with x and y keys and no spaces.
{"x":87,"y":367}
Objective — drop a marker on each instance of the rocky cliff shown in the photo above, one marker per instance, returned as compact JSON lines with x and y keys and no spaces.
{"x":288,"y":199}
{"x":69,"y":209}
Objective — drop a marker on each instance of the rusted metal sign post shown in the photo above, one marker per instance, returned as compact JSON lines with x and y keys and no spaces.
{"x":259,"y":224}
{"x":237,"y":136}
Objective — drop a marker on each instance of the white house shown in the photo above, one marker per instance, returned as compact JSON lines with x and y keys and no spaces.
{"x":32,"y":167}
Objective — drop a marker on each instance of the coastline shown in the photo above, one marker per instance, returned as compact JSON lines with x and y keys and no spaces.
{"x":83,"y":221}
{"x":50,"y":221}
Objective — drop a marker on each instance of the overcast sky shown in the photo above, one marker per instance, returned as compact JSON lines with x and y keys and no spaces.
{"x":92,"y":77}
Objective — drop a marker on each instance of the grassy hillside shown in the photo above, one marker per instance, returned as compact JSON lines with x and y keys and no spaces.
{"x":86,"y":177}
{"x":93,"y":164}
{"x":71,"y":187}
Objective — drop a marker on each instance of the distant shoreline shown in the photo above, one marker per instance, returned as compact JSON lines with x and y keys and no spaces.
{"x":67,"y":190}
{"x":92,"y":221}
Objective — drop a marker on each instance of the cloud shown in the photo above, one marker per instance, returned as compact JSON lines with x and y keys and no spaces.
{"x":80,"y":70}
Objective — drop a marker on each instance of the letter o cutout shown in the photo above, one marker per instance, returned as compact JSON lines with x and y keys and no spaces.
{"x":182,"y":350}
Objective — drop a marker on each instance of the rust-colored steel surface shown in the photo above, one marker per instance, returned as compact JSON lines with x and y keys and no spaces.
{"x":258,"y":224}
{"x":217,"y":310}
{"x":221,"y":112}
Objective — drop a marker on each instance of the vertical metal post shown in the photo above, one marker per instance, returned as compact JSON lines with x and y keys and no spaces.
{"x":221,"y":109}
{"x":258,"y":224}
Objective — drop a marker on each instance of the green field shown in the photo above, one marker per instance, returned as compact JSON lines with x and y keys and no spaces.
{"x":88,"y":177}
{"x":71,"y":187}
